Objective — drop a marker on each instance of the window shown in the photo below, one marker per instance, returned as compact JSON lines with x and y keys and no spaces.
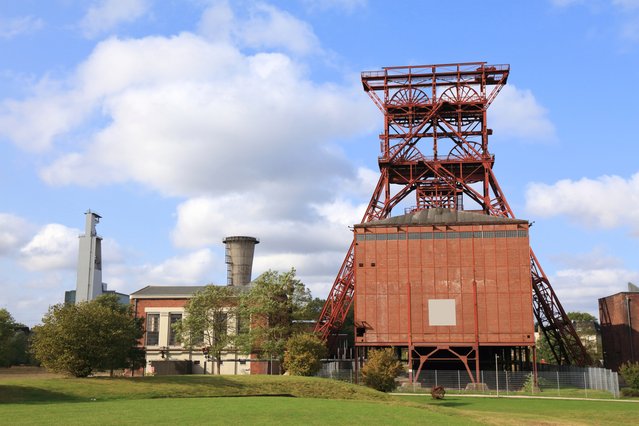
{"x":173,"y":337}
{"x":152,"y":329}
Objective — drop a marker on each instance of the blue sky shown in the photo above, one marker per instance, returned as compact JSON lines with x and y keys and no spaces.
{"x":183,"y":121}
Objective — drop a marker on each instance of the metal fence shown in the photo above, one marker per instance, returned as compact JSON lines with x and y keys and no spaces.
{"x":551,"y":380}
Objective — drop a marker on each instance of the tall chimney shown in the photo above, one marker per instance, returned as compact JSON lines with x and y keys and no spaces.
{"x":239,"y":259}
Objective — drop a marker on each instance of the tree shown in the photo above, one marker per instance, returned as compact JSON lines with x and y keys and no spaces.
{"x":268,"y":311}
{"x":7,"y":332}
{"x":206,"y":320}
{"x":304,"y":353}
{"x":381,"y":369}
{"x":630,"y":373}
{"x":14,"y":344}
{"x":586,"y":327}
{"x":78,"y":339}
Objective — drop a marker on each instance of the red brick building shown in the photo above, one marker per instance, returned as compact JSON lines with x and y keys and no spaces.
{"x":162,"y":306}
{"x":619,"y":319}
{"x":447,"y":285}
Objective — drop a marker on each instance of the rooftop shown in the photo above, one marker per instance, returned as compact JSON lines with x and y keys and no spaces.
{"x":166,"y":291}
{"x":442,"y":216}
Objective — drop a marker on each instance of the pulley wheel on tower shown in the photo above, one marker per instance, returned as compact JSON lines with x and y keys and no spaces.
{"x":465,"y":150}
{"x":407,"y":107}
{"x":461,"y":94}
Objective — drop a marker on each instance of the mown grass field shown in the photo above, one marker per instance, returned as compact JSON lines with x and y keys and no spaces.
{"x":271,"y":400}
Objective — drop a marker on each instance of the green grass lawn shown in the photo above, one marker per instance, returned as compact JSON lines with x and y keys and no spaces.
{"x":272,"y":400}
{"x":538,"y":411}
{"x":234,"y":411}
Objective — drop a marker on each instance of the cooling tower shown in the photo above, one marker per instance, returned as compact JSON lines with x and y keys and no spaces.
{"x":239,"y":259}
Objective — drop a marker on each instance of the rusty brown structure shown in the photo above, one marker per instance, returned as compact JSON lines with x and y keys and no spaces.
{"x":619,"y":319}
{"x":448,"y":285}
{"x":435,"y":146}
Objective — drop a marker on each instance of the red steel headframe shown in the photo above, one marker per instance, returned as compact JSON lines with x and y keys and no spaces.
{"x":442,"y":109}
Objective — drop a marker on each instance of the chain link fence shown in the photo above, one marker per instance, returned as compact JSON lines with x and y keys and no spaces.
{"x":566,"y":381}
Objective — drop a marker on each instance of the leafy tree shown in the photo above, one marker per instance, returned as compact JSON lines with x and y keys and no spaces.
{"x":7,"y":332}
{"x":586,"y":326}
{"x":304,"y":353}
{"x":630,"y":373}
{"x":381,"y":369}
{"x":267,"y":312}
{"x":206,"y":320}
{"x":581,"y":316}
{"x":100,"y":335}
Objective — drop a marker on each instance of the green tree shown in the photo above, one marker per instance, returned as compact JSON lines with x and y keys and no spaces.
{"x":78,"y":339}
{"x":630,"y":373}
{"x":587,"y":328}
{"x":304,"y":353}
{"x":381,"y":369}
{"x":206,"y":320}
{"x":268,"y":311}
{"x":7,"y":332}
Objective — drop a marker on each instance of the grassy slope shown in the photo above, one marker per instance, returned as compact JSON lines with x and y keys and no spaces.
{"x":539,"y":411}
{"x":165,"y":400}
{"x":317,"y":401}
{"x":69,"y":389}
{"x":238,"y":411}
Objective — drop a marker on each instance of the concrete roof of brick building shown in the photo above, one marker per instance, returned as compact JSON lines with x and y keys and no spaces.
{"x":166,"y":291}
{"x":442,"y":216}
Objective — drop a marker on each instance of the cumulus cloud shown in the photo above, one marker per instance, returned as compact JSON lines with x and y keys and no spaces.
{"x":515,"y":113}
{"x":184,"y":126}
{"x":55,"y":246}
{"x":269,"y":27}
{"x":105,"y":15}
{"x":579,"y":289}
{"x":574,"y":199}
{"x":14,"y":232}
{"x":13,"y":27}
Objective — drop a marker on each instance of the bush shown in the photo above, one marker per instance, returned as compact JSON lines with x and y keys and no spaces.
{"x":381,"y":369}
{"x":630,"y":392}
{"x":304,"y":353}
{"x":630,"y":373}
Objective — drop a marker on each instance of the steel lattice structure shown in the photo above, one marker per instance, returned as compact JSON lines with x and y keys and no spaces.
{"x":435,"y":145}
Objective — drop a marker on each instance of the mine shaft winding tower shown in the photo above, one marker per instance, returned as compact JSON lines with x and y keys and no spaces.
{"x":435,"y":146}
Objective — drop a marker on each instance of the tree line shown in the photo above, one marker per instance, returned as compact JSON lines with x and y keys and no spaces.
{"x":104,"y":335}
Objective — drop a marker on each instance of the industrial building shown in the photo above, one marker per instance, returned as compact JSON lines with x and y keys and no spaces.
{"x":89,"y":283}
{"x":619,"y":319}
{"x":451,"y":281}
{"x":162,"y":306}
{"x":447,"y":284}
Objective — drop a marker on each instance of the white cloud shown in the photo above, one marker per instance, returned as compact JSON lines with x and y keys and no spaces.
{"x":194,"y":268}
{"x":269,"y":27}
{"x":579,"y":289}
{"x":184,"y":126}
{"x":55,"y":246}
{"x":13,"y":27}
{"x":14,"y":232}
{"x":515,"y":113}
{"x":105,"y":15}
{"x":582,"y":201}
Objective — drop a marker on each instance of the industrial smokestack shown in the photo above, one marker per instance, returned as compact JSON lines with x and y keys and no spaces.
{"x":239,"y":259}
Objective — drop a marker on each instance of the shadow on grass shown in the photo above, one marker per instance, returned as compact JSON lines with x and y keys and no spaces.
{"x":10,"y":394}
{"x":451,"y":404}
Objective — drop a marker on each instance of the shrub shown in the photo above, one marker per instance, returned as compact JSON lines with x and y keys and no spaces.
{"x":630,"y":373}
{"x":304,"y":353}
{"x":381,"y":369}
{"x":630,"y":392}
